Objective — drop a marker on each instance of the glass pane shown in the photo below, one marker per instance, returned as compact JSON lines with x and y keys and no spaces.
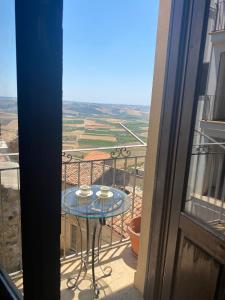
{"x":206,"y":186}
{"x":10,"y":230}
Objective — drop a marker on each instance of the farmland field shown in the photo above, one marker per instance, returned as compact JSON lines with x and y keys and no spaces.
{"x":86,"y":125}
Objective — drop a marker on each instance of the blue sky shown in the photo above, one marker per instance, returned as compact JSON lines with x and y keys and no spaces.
{"x":108,"y":50}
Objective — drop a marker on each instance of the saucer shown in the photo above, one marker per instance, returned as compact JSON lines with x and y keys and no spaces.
{"x":78,"y":193}
{"x":104,"y":196}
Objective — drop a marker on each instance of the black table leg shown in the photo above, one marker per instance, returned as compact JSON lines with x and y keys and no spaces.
{"x":73,"y":281}
{"x":95,"y":287}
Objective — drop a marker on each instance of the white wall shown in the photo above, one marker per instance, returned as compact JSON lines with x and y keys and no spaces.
{"x":218,"y":46}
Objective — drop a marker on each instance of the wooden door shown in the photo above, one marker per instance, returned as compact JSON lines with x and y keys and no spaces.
{"x":187,"y":239}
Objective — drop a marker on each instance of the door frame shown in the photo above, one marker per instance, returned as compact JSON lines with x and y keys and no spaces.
{"x":184,"y":54}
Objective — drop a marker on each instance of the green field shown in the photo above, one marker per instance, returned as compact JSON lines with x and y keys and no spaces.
{"x":74,"y":121}
{"x":99,"y":131}
{"x":122,"y":137}
{"x":96,"y":143}
{"x":91,"y":112}
{"x":76,"y":117}
{"x":69,"y":128}
{"x":136,"y":125}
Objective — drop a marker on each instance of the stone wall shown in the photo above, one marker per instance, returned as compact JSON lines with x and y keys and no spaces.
{"x":10,"y":233}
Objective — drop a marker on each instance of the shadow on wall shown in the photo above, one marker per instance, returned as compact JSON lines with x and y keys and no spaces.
{"x":121,"y":178}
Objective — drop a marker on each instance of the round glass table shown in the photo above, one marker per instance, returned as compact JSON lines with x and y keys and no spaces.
{"x":95,"y":209}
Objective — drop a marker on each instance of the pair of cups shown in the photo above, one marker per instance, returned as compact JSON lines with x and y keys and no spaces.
{"x":86,"y":189}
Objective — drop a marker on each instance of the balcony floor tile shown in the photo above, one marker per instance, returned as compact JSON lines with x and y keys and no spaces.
{"x":117,"y":286}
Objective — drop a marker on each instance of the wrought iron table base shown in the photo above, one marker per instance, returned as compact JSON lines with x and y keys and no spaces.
{"x":85,"y":262}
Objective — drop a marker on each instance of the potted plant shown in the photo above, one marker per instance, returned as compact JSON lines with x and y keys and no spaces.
{"x":134,"y":229}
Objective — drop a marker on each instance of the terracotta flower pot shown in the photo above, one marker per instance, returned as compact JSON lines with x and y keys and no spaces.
{"x":134,"y":229}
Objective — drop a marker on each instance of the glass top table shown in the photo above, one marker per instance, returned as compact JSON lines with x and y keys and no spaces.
{"x":94,"y":206}
{"x":95,"y":210}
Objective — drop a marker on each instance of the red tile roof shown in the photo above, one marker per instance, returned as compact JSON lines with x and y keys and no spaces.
{"x":78,"y":173}
{"x":94,"y":155}
{"x":116,"y":224}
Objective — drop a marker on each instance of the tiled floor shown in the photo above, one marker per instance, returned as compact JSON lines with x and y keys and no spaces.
{"x":117,"y":286}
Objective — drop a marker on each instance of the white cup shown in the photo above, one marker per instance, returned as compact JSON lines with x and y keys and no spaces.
{"x":84,"y":189}
{"x":104,"y":190}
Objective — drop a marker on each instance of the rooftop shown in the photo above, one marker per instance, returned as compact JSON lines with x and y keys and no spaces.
{"x":94,"y":155}
{"x":78,"y":173}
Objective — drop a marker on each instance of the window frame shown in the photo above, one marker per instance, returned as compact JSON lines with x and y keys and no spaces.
{"x":39,"y":96}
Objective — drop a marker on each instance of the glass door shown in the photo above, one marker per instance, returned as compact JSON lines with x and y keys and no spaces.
{"x":187,"y":249}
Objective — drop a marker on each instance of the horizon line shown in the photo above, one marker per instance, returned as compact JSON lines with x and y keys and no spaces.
{"x":90,"y":102}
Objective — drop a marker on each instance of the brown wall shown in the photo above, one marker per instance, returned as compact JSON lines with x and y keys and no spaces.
{"x":154,"y":125}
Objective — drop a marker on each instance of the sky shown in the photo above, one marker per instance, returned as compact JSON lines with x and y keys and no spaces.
{"x":108,"y":50}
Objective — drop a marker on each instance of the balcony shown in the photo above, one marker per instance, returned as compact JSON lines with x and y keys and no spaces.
{"x":117,"y":286}
{"x":122,"y":168}
{"x":211,"y":117}
{"x":206,"y":185}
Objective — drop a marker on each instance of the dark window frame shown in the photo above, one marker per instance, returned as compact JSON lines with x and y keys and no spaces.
{"x":39,"y":90}
{"x":7,"y":288}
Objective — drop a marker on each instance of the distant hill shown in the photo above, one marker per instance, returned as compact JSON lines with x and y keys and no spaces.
{"x":7,"y":98}
{"x":87,"y":125}
{"x":8,"y":105}
{"x":86,"y":109}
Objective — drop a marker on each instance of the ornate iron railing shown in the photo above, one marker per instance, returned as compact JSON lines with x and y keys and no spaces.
{"x":206,"y":185}
{"x":122,"y":169}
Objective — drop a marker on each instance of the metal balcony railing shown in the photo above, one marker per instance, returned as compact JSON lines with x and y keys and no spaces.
{"x":121,"y":169}
{"x":206,"y":186}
